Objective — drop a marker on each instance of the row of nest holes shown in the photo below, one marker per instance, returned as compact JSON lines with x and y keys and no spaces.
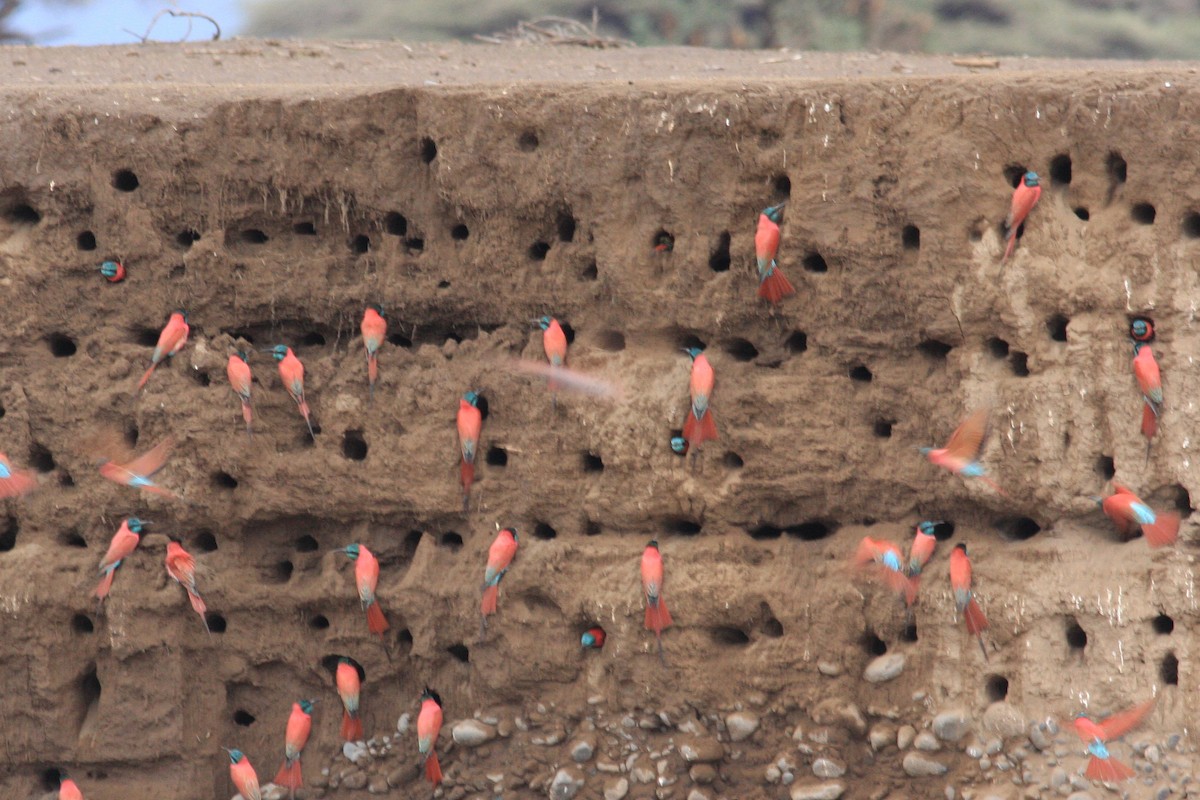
{"x":1077,"y":641}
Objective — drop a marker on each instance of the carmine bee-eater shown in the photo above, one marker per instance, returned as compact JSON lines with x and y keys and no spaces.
{"x":374,"y":328}
{"x":429,"y":724}
{"x":366,"y":577}
{"x":964,"y":597}
{"x":1141,"y":330}
{"x":1128,"y":513}
{"x":244,"y":778}
{"x":884,"y":562}
{"x":1024,"y":198}
{"x":238,"y":370}
{"x":182,"y":567}
{"x":1149,"y":379}
{"x":470,"y":422}
{"x":299,"y":725}
{"x":921,"y":549}
{"x":699,"y":427}
{"x":14,"y":482}
{"x":593,"y":637}
{"x":1102,"y":766}
{"x":291,"y":372}
{"x":960,"y":453}
{"x":348,"y":686}
{"x":658,"y":618}
{"x":172,"y":339}
{"x":67,"y":790}
{"x":113,"y":271}
{"x":772,"y":285}
{"x":500,"y":555}
{"x":554,"y":342}
{"x":137,"y":473}
{"x":123,"y":543}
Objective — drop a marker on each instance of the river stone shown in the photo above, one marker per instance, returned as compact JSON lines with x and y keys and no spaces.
{"x":1002,"y":719}
{"x":831,"y":790}
{"x":741,"y":725}
{"x":884,"y":668}
{"x":472,"y":733}
{"x":616,"y":789}
{"x":566,"y":784}
{"x":701,"y":749}
{"x":919,"y":765}
{"x":828,"y":768}
{"x":951,"y":726}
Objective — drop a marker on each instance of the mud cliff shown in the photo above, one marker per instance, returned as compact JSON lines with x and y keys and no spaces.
{"x":273,"y":189}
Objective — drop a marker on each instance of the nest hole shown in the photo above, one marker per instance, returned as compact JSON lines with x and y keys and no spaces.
{"x":459,"y":652}
{"x":1056,"y":326}
{"x":860,"y":373}
{"x":544,"y":531}
{"x":1013,"y":174}
{"x":1017,"y":529}
{"x":728,"y":636}
{"x":82,"y":623}
{"x":125,"y":180}
{"x":538,"y":250}
{"x":996,"y":688}
{"x":415,"y":244}
{"x":307,"y":544}
{"x":910,"y":237}
{"x":1083,"y":213}
{"x":997,"y":347}
{"x":451,"y":541}
{"x":89,"y":692}
{"x":484,"y":407}
{"x":496,"y":456}
{"x":732,"y":460}
{"x":719,"y":259}
{"x":63,"y":346}
{"x":1163,"y":624}
{"x":663,"y":241}
{"x":223,"y":480}
{"x":681,"y":526}
{"x":782,"y":185}
{"x":741,"y":350}
{"x":395,"y":223}
{"x":883,"y":428}
{"x":428,"y":149}
{"x":935,"y":349}
{"x":216,"y":622}
{"x":1169,"y":670}
{"x":592,"y":528}
{"x":40,"y":458}
{"x":318,"y":622}
{"x":528,"y":141}
{"x":86,"y":241}
{"x":1190,"y":227}
{"x":611,"y":341}
{"x":205,"y":542}
{"x":565,"y":225}
{"x":254,"y":236}
{"x":797,"y":342}
{"x":281,"y":572}
{"x":1060,"y":170}
{"x":943,"y":530}
{"x":460,"y":232}
{"x":8,"y":534}
{"x":1019,"y":363}
{"x":1117,"y":169}
{"x":400,"y":340}
{"x":201,"y":377}
{"x":354,"y":446}
{"x":304,"y":229}
{"x":361,"y":244}
{"x":872,"y":645}
{"x":909,"y":634}
{"x":814,"y":262}
{"x":243,"y":718}
{"x":1143,"y":213}
{"x":592,"y":462}
{"x":590,"y":272}
{"x":72,"y":538}
{"x":1183,"y":501}
{"x":23,"y":214}
{"x":1106,"y":468}
{"x":1077,"y":637}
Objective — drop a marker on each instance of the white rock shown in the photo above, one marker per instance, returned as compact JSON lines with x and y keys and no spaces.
{"x":905,"y":736}
{"x":353,"y":751}
{"x":1004,"y":720}
{"x":272,"y":791}
{"x":565,"y":785}
{"x":884,"y":668}
{"x":616,"y":789}
{"x":830,"y":790}
{"x":927,"y":741}
{"x":918,"y":765}
{"x":472,"y":733}
{"x":951,"y":726}
{"x":828,"y":768}
{"x":741,"y":725}
{"x":582,"y":751}
{"x":403,"y":723}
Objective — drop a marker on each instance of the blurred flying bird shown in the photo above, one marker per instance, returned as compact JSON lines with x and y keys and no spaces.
{"x":14,"y":482}
{"x":960,"y":453}
{"x":137,"y":473}
{"x":1128,"y":512}
{"x":182,"y":567}
{"x":1102,"y":766}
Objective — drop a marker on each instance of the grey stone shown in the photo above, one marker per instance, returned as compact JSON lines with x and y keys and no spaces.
{"x":905,"y":736}
{"x":701,"y":749}
{"x":951,"y":726}
{"x":616,"y":789}
{"x":772,"y":774}
{"x":1058,"y":778}
{"x":642,"y":774}
{"x":741,"y":725}
{"x":273,"y":791}
{"x":831,"y":790}
{"x":830,"y":668}
{"x":1080,"y":796}
{"x":927,"y":742}
{"x":881,"y":735}
{"x":884,"y":668}
{"x":703,"y":774}
{"x":919,"y":765}
{"x":828,"y":768}
{"x":1153,"y":754}
{"x":355,"y":780}
{"x":1003,"y":720}
{"x":696,"y":794}
{"x":354,"y":752}
{"x":1038,"y":737}
{"x":566,"y":784}
{"x":582,"y":750}
{"x":472,"y":733}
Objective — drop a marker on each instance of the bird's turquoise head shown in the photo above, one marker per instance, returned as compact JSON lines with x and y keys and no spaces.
{"x":653,"y":543}
{"x":235,"y":755}
{"x":543,"y":322}
{"x":350,"y":550}
{"x":1097,"y":500}
{"x":134,"y":524}
{"x":242,"y":355}
{"x":1031,"y":178}
{"x":472,"y":398}
{"x":1139,"y":327}
{"x":344,"y":660}
{"x":109,"y":269}
{"x":430,"y":694}
{"x":378,"y":309}
{"x":181,"y":313}
{"x":927,"y":528}
{"x":925,"y":450}
{"x":774,"y":213}
{"x":279,"y":351}
{"x":961,"y":546}
{"x":587,"y":640}
{"x":513,"y":532}
{"x":692,"y":351}
{"x":306,"y":706}
{"x":679,"y":445}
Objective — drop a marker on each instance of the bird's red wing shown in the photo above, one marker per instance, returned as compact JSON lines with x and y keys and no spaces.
{"x":152,"y":460}
{"x":1121,"y":489}
{"x":1121,"y":723}
{"x":968,"y":438}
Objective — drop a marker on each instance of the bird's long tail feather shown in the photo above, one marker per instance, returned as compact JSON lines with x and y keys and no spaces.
{"x":1164,"y":530}
{"x":466,"y":477}
{"x":303,"y":405}
{"x":372,"y":371}
{"x":973,"y":615}
{"x":248,"y":416}
{"x":290,"y":776}
{"x":1012,"y":242}
{"x":352,"y":728}
{"x":490,"y":595}
{"x":198,"y":605}
{"x":376,"y":621}
{"x":658,"y":618}
{"x":774,"y":287}
{"x":1107,"y":770}
{"x":697,"y":432}
{"x":105,"y":585}
{"x":16,"y":484}
{"x":145,"y":377}
{"x":433,"y":770}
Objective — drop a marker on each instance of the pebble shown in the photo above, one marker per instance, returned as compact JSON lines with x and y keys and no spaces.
{"x":472,"y":733}
{"x":355,"y":780}
{"x":1058,"y":778}
{"x":884,"y":668}
{"x":881,"y":735}
{"x":403,"y":723}
{"x":1080,"y":796}
{"x":905,"y":736}
{"x":951,"y":726}
{"x":927,"y":741}
{"x":772,"y":774}
{"x":828,"y":768}
{"x":1153,"y":754}
{"x":830,"y":790}
{"x":696,"y":794}
{"x":917,"y":765}
{"x":1037,"y":736}
{"x":376,"y":785}
{"x":741,"y":725}
{"x":830,"y":668}
{"x":616,"y":789}
{"x":608,"y":767}
{"x":272,"y":791}
{"x":397,"y":776}
{"x":353,"y":751}
{"x":703,"y":774}
{"x":1003,"y":720}
{"x":642,"y":774}
{"x":701,"y":749}
{"x":566,"y":784}
{"x":582,"y":750}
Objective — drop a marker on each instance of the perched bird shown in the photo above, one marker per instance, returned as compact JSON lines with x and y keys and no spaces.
{"x":964,"y":598}
{"x":429,"y":724}
{"x":238,"y":370}
{"x":123,"y":543}
{"x":366,"y":577}
{"x":1128,"y":513}
{"x":470,"y":422}
{"x":1024,"y":198}
{"x":113,"y":271}
{"x":67,"y":790}
{"x":244,"y":778}
{"x":1141,"y":330}
{"x":658,"y":618}
{"x":14,"y":482}
{"x":679,"y":445}
{"x":170,"y":341}
{"x":772,"y":285}
{"x":1101,"y":766}
{"x":699,"y":427}
{"x":554,"y":342}
{"x":348,"y":688}
{"x":921,"y":549}
{"x":1149,"y":379}
{"x":182,"y":567}
{"x":299,"y":725}
{"x":593,"y":637}
{"x":291,"y":372}
{"x":137,"y":473}
{"x":884,"y":561}
{"x":500,"y":555}
{"x":960,"y":453}
{"x":663,"y":242}
{"x":374,"y":328}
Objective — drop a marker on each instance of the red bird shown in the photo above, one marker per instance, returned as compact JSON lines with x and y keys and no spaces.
{"x":699,"y":427}
{"x":1149,"y":379}
{"x":961,"y":453}
{"x":921,"y":549}
{"x":113,"y":271}
{"x":470,"y":422}
{"x":348,"y":689}
{"x":554,"y":342}
{"x":1024,"y":198}
{"x":67,"y":790}
{"x":291,"y":372}
{"x":123,"y":543}
{"x":429,"y":725}
{"x":658,"y":618}
{"x":182,"y":567}
{"x":883,"y":559}
{"x":374,"y":328}
{"x":238,"y":371}
{"x":1128,"y":513}
{"x":964,"y":598}
{"x":366,"y":577}
{"x":137,"y":473}
{"x":170,"y":341}
{"x":593,"y":637}
{"x":500,"y":555}
{"x":299,"y":725}
{"x":14,"y":482}
{"x":243,"y":775}
{"x":1102,"y":766}
{"x":772,"y":285}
